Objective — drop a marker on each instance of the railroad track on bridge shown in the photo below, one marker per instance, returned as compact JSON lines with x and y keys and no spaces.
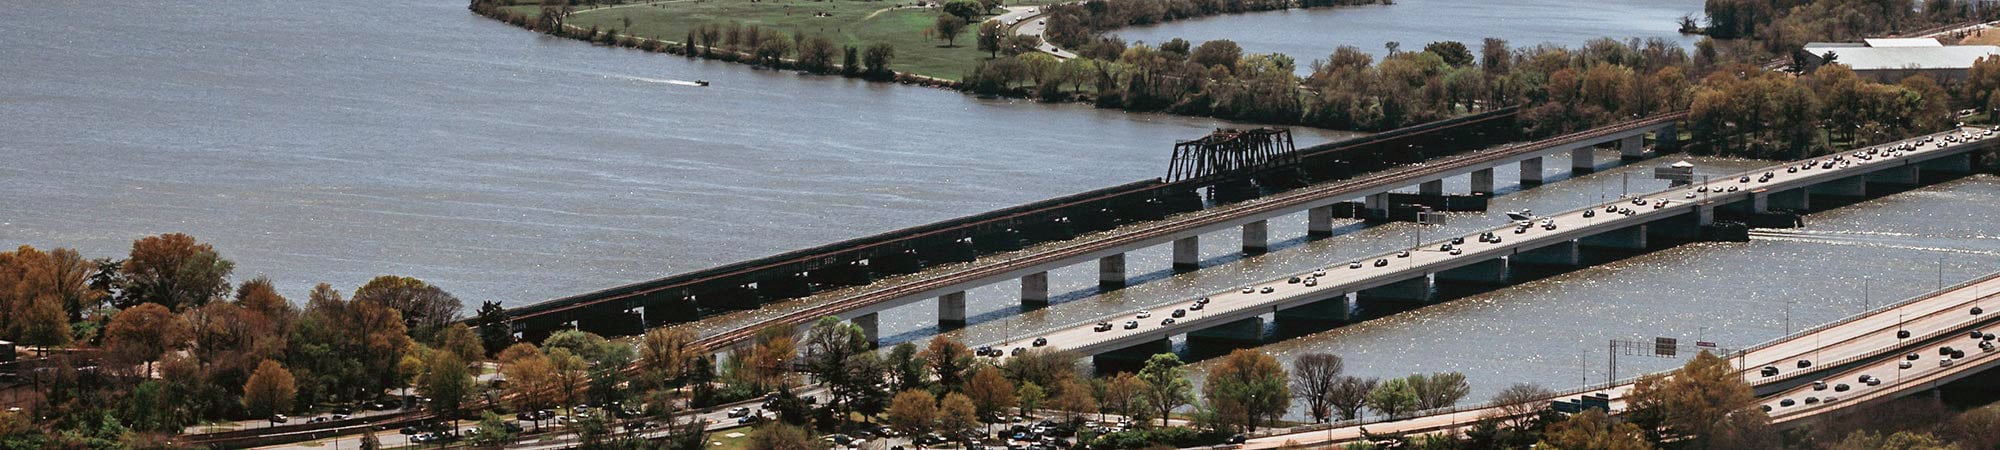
{"x":1291,"y":199}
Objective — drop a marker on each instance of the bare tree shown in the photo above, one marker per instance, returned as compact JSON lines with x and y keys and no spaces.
{"x":1350,"y":394}
{"x":1520,"y":402}
{"x":1314,"y":376}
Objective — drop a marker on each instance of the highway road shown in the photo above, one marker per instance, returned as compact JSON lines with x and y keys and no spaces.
{"x":1339,"y":279}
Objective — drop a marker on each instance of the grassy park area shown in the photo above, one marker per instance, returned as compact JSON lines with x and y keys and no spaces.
{"x":847,"y":22}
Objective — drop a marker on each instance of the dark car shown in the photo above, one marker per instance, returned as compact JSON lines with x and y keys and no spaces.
{"x":1236,"y":439}
{"x":1381,"y":262}
{"x":1180,"y":313}
{"x":1041,"y":341}
{"x":1770,"y":371}
{"x":1804,"y":364}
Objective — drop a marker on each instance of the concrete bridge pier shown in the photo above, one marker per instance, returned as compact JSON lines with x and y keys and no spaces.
{"x":1315,"y":316}
{"x":951,"y":311}
{"x":1415,"y":290}
{"x":1492,"y":272}
{"x":1582,"y":160}
{"x":1531,"y":172}
{"x":1794,"y":200}
{"x":1187,"y":253}
{"x":1432,"y":187}
{"x":1899,"y":177}
{"x":1130,"y":359}
{"x":1471,"y":279}
{"x":1668,"y":138}
{"x":1613,"y":245}
{"x":1628,"y":238}
{"x":1035,"y":289}
{"x":1633,"y":148}
{"x":870,"y":325}
{"x":1377,"y":206}
{"x":1220,"y":339}
{"x":1959,"y":164}
{"x":1560,"y":254}
{"x":1256,"y":237}
{"x":1851,"y":187}
{"x":1482,"y":181}
{"x":1111,"y":272}
{"x":1319,"y":222}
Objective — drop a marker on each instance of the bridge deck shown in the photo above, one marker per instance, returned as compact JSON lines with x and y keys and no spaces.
{"x":1866,"y":337}
{"x":1340,"y":280}
{"x":1194,"y":223}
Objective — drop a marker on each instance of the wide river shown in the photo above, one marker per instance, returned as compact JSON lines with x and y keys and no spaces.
{"x":336,"y":141}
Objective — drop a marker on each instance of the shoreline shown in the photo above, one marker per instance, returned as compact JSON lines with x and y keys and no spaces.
{"x":619,"y":38}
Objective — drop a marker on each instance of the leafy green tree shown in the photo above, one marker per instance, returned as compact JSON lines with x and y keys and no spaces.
{"x":460,"y":340}
{"x":1453,"y":52}
{"x":1029,"y":397}
{"x":1217,"y":53}
{"x":907,"y":369}
{"x":965,"y":10}
{"x":876,"y":60}
{"x":990,"y":34}
{"x":448,"y":384}
{"x":1694,"y":402}
{"x":1393,"y":398}
{"x":956,"y":414}
{"x":494,"y":332}
{"x":493,"y":431}
{"x":948,"y":27}
{"x":1168,"y":385}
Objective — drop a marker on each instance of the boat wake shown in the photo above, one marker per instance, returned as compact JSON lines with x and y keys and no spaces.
{"x":1879,"y":240}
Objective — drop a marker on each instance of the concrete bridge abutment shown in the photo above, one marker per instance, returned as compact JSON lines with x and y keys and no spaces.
{"x":1953,"y":165}
{"x":1319,"y":315}
{"x":1492,"y":272}
{"x":1899,"y":177}
{"x":1560,"y":254}
{"x":1850,"y":187}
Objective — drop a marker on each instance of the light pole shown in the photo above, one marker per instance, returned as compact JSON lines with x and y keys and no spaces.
{"x":1788,"y":316}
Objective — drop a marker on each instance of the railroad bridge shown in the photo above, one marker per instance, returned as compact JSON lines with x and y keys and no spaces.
{"x":1444,"y":149}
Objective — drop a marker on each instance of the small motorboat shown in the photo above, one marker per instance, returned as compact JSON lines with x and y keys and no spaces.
{"x":1522,"y":215}
{"x":702,"y":83}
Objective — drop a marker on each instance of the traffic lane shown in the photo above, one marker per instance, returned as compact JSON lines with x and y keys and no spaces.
{"x":1949,"y":310}
{"x":1888,"y":369}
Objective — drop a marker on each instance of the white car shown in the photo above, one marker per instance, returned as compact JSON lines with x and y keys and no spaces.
{"x":1145,"y":314}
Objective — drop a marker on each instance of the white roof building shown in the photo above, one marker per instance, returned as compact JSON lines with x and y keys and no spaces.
{"x":1891,"y":60}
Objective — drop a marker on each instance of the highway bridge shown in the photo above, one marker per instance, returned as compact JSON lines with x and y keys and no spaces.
{"x":1562,"y":240}
{"x":1184,"y":231}
{"x":1868,"y":343}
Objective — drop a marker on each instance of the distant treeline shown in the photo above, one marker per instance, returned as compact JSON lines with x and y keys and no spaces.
{"x":1078,"y":24}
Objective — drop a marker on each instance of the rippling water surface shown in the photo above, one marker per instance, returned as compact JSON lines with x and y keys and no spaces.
{"x":337,"y":141}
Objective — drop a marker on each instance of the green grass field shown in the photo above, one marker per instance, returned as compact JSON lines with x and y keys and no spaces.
{"x":853,"y":22}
